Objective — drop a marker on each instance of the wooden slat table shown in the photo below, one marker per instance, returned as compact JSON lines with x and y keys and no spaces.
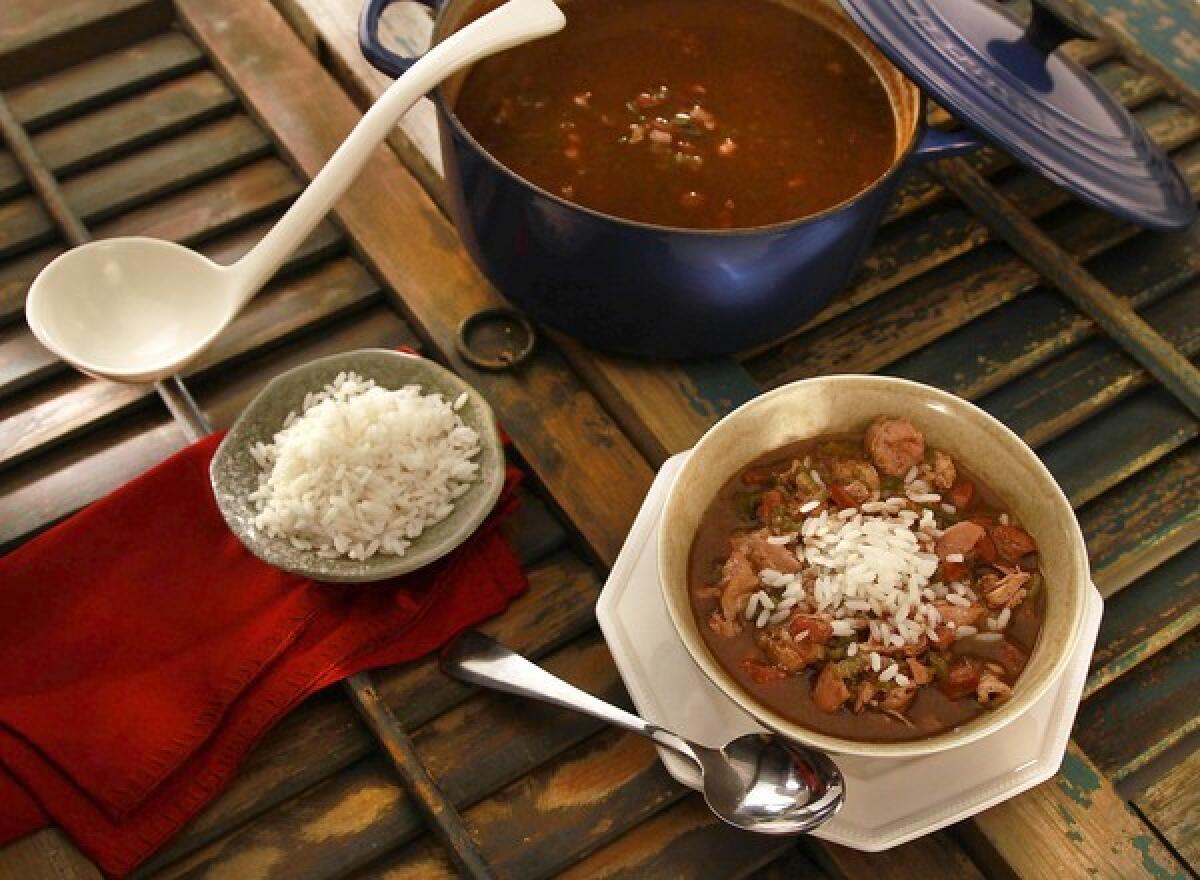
{"x":197,"y":120}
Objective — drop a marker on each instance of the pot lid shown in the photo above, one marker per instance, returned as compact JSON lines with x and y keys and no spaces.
{"x":1004,"y":79}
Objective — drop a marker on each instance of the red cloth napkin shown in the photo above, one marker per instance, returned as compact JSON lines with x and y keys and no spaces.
{"x":144,"y":650}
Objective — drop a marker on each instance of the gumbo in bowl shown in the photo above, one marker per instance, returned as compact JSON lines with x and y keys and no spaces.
{"x":866,"y":585}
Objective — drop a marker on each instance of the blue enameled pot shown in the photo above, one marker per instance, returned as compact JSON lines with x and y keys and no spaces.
{"x":658,"y":291}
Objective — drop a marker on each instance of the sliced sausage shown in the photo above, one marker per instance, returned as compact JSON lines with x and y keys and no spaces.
{"x":1012,"y":542}
{"x":960,"y":495}
{"x":960,"y":538}
{"x":960,"y":681}
{"x":1011,"y":658}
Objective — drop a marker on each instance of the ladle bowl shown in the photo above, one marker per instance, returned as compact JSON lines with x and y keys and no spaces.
{"x":135,"y":304}
{"x":140,"y":309}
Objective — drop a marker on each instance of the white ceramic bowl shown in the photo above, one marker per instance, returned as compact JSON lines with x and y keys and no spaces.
{"x":988,"y":449}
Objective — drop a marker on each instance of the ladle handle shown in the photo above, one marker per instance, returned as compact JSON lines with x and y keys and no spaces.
{"x":475,"y":658}
{"x":516,"y":22}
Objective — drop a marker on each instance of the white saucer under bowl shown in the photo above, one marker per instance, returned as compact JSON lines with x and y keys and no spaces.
{"x":888,"y":802}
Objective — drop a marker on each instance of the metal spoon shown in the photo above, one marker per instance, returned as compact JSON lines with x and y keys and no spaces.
{"x":755,"y":782}
{"x":140,"y":309}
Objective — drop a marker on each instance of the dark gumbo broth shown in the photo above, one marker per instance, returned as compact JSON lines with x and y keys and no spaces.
{"x":690,"y":113}
{"x":960,"y":676}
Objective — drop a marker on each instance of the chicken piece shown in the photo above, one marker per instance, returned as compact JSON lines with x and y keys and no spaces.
{"x":789,"y":655}
{"x":961,"y":615}
{"x":855,"y":470}
{"x":960,"y":538}
{"x":707,"y":592}
{"x":761,"y":673}
{"x":940,"y":473}
{"x":991,"y":690}
{"x":866,"y":693}
{"x":895,"y":445}
{"x":1005,"y":591}
{"x":738,"y":581}
{"x":1012,"y":542}
{"x":898,"y":699}
{"x":918,"y":672}
{"x":763,"y":554}
{"x":818,"y":627}
{"x":830,"y":693}
{"x":961,"y":680}
{"x":725,"y":628}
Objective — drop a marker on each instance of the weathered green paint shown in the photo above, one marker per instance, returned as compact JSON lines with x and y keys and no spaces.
{"x":935,"y":236}
{"x":1144,"y":713}
{"x":1150,"y":516}
{"x":1077,"y":780}
{"x":1073,"y":834}
{"x":1169,"y":30}
{"x":717,"y":386}
{"x":1143,"y":843}
{"x":1146,"y":617}
{"x":1052,"y":400}
{"x":1016,"y":337}
{"x":1117,"y":443}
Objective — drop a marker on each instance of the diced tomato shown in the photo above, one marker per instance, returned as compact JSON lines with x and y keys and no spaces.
{"x":760,"y":672}
{"x":770,"y":499}
{"x":841,"y":497}
{"x":819,"y":631}
{"x":955,"y":571}
{"x":961,"y":681}
{"x":1012,"y":542}
{"x":960,"y":495}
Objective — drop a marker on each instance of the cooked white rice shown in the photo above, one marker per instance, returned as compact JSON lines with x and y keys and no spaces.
{"x":870,"y":568}
{"x":362,"y":470}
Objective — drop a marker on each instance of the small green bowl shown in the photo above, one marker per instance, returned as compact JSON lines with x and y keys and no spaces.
{"x":234,"y":472}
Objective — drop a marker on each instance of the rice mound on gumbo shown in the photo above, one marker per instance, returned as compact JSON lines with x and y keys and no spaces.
{"x":362,"y":470}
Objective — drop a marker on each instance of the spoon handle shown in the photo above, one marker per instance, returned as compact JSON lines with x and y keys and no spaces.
{"x":516,"y":22}
{"x":483,"y":661}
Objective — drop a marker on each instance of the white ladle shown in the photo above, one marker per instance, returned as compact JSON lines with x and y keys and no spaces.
{"x":140,"y":309}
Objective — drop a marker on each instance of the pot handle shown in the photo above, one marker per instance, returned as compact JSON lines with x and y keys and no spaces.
{"x":1050,"y":28}
{"x":938,"y":144}
{"x":381,"y":57}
